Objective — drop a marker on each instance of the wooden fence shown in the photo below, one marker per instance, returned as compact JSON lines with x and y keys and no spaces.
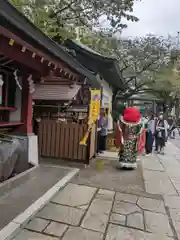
{"x":61,"y":140}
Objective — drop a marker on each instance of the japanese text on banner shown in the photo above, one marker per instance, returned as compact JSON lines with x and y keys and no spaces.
{"x":94,"y":111}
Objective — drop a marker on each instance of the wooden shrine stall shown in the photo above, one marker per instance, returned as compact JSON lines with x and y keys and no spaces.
{"x":61,"y":110}
{"x":26,"y":57}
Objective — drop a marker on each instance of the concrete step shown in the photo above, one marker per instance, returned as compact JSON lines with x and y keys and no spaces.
{"x":27,"y":190}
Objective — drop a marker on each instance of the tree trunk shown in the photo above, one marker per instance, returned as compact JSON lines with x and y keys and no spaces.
{"x":177,"y":108}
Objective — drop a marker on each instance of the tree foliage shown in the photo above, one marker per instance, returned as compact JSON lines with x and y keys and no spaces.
{"x":141,"y":60}
{"x":146,"y":64}
{"x":60,"y":17}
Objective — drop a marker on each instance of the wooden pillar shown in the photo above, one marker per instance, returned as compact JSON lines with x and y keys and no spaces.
{"x":26,"y":109}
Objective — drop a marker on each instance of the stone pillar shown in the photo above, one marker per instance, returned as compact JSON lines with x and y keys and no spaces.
{"x":33,"y":150}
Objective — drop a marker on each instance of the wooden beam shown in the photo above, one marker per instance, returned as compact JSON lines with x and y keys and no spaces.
{"x":4,"y":32}
{"x":58,"y":83}
{"x":14,"y":52}
{"x":55,"y":79}
{"x":59,"y":64}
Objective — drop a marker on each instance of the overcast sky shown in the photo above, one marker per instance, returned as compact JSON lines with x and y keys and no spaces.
{"x":160,"y":17}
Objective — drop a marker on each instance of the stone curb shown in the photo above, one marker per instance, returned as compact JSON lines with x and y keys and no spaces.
{"x":6,"y":186}
{"x":14,"y":227}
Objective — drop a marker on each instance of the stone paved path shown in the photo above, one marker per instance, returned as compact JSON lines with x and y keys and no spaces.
{"x":162,"y":176}
{"x":31,"y":188}
{"x":87,"y":211}
{"x":111,"y":178}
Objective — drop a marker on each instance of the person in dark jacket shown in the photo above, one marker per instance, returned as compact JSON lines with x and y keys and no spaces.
{"x":172,"y":126}
{"x":103,"y":133}
{"x":150,"y":135}
{"x":161,"y":133}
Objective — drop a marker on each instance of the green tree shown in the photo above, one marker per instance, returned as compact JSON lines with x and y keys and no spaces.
{"x":140,"y":59}
{"x":167,"y":86}
{"x":59,"y":17}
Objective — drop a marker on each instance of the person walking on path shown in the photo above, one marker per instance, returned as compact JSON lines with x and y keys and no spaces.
{"x":161,"y":134}
{"x":142,"y":132}
{"x":150,"y":135}
{"x":172,"y":126}
{"x":129,"y":137}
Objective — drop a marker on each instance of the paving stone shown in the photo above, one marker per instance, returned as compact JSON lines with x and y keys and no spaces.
{"x":176,"y":180}
{"x":135,"y":220}
{"x":172,"y":201}
{"x":97,"y":215}
{"x":157,"y":223}
{"x":175,"y":214}
{"x":126,"y":197}
{"x":56,"y":229}
{"x":83,"y":207}
{"x":158,"y":183}
{"x":125,"y":208}
{"x":105,"y":194}
{"x":61,"y":213}
{"x":151,"y":204}
{"x":160,"y":187}
{"x":75,"y":195}
{"x":81,"y":234}
{"x":117,"y":219}
{"x":177,"y":186}
{"x":152,"y":163}
{"x":37,"y":224}
{"x":116,"y":232}
{"x":177,"y":228}
{"x":173,"y":171}
{"x":27,"y":235}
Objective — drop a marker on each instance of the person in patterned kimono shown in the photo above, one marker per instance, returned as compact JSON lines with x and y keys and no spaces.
{"x":129,"y":126}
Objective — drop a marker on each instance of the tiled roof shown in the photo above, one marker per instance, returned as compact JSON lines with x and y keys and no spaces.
{"x":17,"y":23}
{"x":55,"y":92}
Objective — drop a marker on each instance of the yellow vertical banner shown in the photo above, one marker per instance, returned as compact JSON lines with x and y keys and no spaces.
{"x":94,"y":107}
{"x":94,"y":111}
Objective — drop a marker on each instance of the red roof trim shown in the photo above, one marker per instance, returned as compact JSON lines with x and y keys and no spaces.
{"x":6,"y":33}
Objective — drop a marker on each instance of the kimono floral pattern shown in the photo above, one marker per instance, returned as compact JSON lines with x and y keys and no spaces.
{"x":128,"y":151}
